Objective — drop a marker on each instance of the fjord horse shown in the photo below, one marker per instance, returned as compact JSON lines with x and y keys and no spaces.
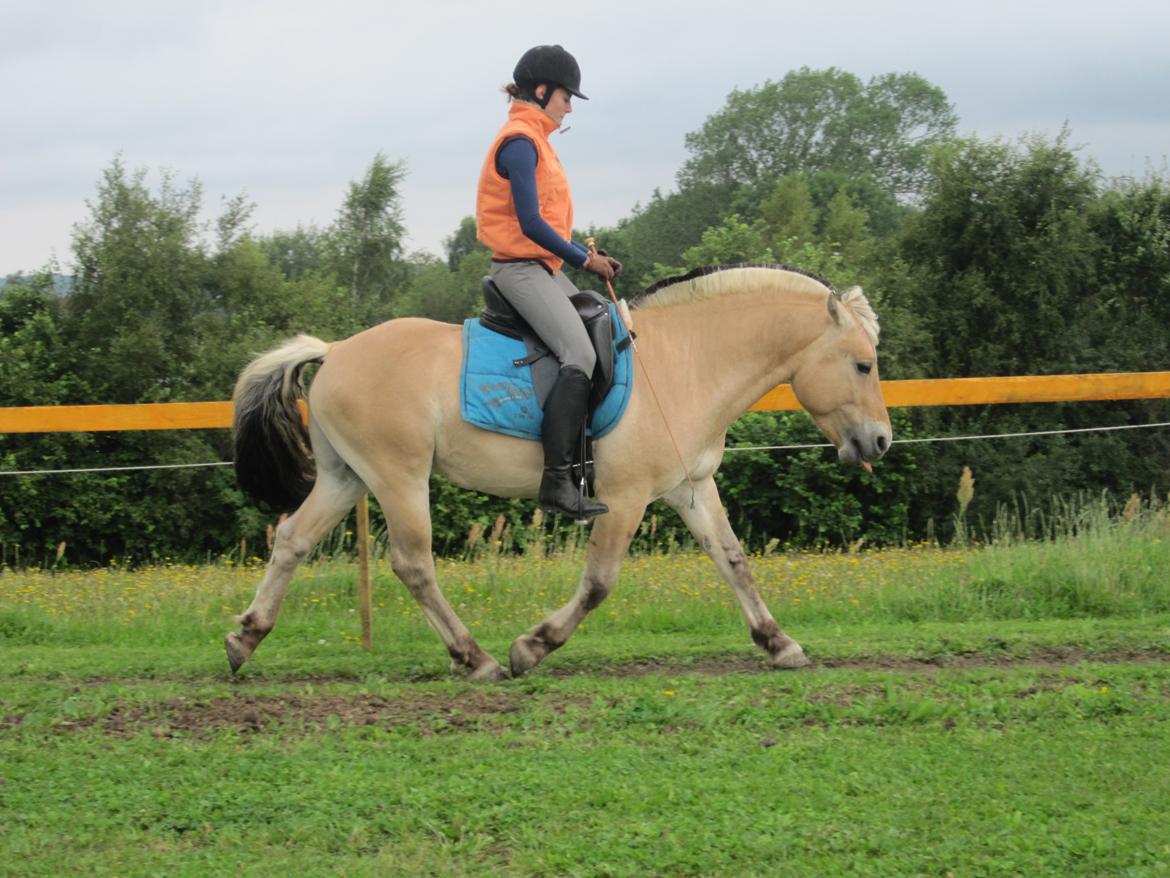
{"x":385,"y":415}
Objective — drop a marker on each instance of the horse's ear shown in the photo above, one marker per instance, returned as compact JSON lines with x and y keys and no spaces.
{"x":833,"y":310}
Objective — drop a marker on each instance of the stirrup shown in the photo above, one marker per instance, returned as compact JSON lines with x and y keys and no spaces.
{"x":585,"y":511}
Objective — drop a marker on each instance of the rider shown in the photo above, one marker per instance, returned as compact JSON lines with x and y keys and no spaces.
{"x":524,"y":214}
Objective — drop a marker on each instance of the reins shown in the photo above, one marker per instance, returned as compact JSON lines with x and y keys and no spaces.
{"x":591,"y":244}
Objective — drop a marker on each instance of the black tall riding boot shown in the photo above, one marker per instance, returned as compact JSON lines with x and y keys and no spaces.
{"x":565,"y":411}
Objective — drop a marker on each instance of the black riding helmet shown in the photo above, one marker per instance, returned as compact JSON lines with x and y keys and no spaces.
{"x":551,"y":65}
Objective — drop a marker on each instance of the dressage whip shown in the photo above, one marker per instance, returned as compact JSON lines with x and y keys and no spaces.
{"x":592,"y":245}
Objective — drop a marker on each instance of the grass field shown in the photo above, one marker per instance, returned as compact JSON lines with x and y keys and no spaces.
{"x":995,"y":710}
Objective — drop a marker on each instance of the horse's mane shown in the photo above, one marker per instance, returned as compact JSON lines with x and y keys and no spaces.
{"x":715,"y":280}
{"x":661,"y":286}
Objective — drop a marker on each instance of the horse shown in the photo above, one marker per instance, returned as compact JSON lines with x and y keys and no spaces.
{"x":384,"y":414}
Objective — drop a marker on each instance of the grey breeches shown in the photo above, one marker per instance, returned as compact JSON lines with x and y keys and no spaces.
{"x":543,"y":300}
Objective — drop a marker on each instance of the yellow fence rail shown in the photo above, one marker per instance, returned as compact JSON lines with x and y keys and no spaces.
{"x":919,"y":392}
{"x":95,"y":418}
{"x":987,"y":391}
{"x":898,"y":394}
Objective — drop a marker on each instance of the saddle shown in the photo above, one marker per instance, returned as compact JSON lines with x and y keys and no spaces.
{"x":508,"y":373}
{"x":499,"y":316}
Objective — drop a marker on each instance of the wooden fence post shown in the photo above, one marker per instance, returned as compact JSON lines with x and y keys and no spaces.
{"x":363,"y":540}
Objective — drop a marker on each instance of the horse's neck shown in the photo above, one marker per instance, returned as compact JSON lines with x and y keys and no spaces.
{"x":731,"y":350}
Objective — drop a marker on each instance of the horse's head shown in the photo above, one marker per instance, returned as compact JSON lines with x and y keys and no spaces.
{"x":836,"y":381}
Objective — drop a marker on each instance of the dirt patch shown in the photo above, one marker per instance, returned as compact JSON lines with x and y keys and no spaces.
{"x":707,"y":667}
{"x":757,"y":664}
{"x":1054,"y":657}
{"x":247,"y":714}
{"x":473,"y":708}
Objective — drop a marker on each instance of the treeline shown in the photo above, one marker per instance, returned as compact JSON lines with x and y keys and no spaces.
{"x":982,"y":258}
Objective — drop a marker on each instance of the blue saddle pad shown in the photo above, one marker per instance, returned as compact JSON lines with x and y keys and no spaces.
{"x":497,"y":395}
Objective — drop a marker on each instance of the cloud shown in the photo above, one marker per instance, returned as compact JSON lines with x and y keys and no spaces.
{"x":290,"y":101}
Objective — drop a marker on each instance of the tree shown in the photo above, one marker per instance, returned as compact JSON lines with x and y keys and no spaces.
{"x":441,"y":294}
{"x":790,"y":214}
{"x":298,"y":253}
{"x":823,"y":120}
{"x":1129,"y":326}
{"x":347,"y":277}
{"x":846,"y":230}
{"x":40,"y":368}
{"x":152,"y":317}
{"x":233,"y":225}
{"x":1006,"y":268}
{"x":1005,"y":258}
{"x":730,"y":242}
{"x":461,"y":243}
{"x":138,"y":286}
{"x":660,"y":231}
{"x":367,"y":238}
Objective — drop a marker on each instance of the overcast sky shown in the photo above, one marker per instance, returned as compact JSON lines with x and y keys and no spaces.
{"x":289,"y":101}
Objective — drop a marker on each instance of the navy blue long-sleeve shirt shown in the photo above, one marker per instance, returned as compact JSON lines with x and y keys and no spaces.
{"x":516,"y":162}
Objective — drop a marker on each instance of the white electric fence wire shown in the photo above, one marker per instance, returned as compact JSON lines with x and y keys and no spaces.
{"x":110,"y":469}
{"x":960,"y":438}
{"x":160,"y":466}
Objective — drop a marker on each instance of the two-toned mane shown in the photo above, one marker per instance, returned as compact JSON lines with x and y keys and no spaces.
{"x":716,"y":280}
{"x":385,"y":415}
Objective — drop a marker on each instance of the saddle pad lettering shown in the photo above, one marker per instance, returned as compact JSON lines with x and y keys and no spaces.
{"x":496,"y":395}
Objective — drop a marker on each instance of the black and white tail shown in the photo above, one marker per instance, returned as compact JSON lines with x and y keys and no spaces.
{"x":273,"y":457}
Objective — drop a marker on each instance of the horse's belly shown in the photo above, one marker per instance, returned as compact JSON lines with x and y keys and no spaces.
{"x":489,"y":462}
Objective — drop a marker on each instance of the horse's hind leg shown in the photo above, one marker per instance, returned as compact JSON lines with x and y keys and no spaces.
{"x":708,"y":522}
{"x":405,"y":501}
{"x":608,"y":542}
{"x":334,"y":493}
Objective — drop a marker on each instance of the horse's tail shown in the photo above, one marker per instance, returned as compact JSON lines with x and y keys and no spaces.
{"x":273,"y":456}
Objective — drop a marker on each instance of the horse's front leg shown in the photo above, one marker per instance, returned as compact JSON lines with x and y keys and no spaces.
{"x":608,"y":542}
{"x":708,"y":522}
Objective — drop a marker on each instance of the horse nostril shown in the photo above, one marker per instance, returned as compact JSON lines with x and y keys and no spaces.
{"x":883,"y":443}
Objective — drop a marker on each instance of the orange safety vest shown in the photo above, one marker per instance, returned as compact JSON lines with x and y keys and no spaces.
{"x":495,"y":213}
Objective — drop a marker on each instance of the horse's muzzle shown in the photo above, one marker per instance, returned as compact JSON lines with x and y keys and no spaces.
{"x":865,"y":443}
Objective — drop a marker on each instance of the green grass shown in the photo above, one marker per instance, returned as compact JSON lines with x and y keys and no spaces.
{"x":988,"y":771}
{"x":996,"y":710}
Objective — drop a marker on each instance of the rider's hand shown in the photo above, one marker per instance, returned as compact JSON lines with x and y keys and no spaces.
{"x":602,"y":266}
{"x":613,"y":263}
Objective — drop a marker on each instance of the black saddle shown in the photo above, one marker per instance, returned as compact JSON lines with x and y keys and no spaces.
{"x":499,"y":316}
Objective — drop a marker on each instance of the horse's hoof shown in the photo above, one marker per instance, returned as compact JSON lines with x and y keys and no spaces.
{"x":790,"y":658}
{"x":522,"y":658}
{"x":488,"y":672}
{"x":236,"y":653}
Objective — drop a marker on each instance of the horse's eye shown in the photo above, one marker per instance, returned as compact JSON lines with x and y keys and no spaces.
{"x":865,"y":368}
